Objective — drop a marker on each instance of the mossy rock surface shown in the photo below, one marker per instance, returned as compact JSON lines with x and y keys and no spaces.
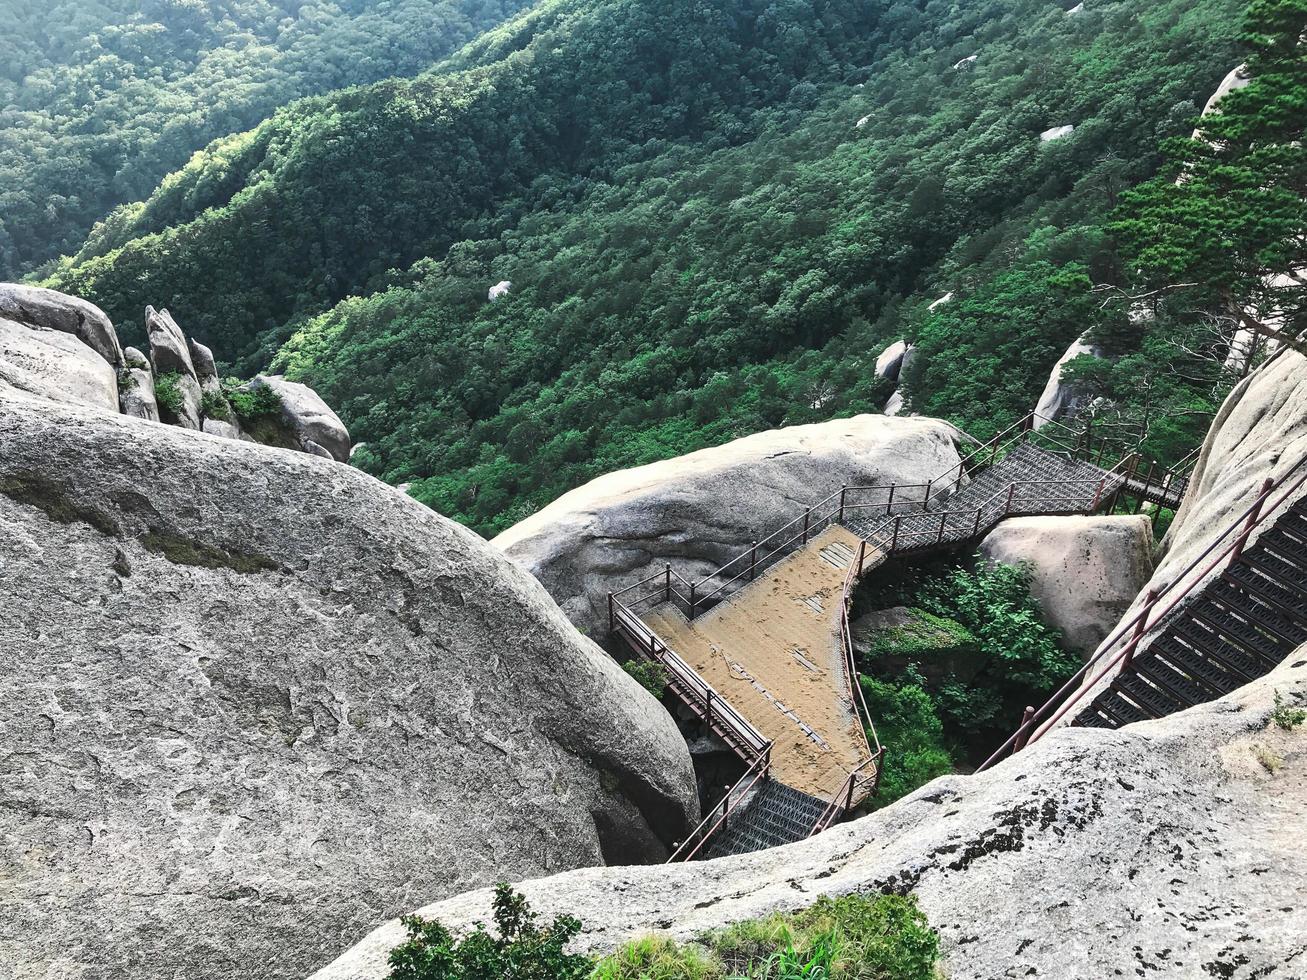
{"x":889,"y":640}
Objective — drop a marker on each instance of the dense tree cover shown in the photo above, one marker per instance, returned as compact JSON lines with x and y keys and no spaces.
{"x":100,"y":100}
{"x":942,"y":696}
{"x":701,"y":239}
{"x":1213,"y":246}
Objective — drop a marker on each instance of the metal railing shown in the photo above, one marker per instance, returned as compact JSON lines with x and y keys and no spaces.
{"x":712,"y":822}
{"x":842,"y":800}
{"x":697,"y":693}
{"x":1134,"y":631}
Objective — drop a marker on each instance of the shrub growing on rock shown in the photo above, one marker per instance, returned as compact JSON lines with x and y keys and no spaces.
{"x":650,"y":673}
{"x":168,"y":393}
{"x":523,"y":950}
{"x":250,"y":405}
{"x":214,"y":406}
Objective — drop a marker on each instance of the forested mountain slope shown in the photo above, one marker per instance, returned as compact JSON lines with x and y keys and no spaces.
{"x":714,"y":214}
{"x":98,"y":101}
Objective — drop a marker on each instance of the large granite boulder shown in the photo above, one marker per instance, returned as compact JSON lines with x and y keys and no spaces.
{"x":1058,"y":400}
{"x":253,"y":703}
{"x":890,"y":361}
{"x":55,"y":365}
{"x":1165,"y":850}
{"x":1084,"y":571}
{"x":136,"y":387}
{"x":169,"y":350}
{"x":703,"y":509}
{"x":306,"y":421}
{"x":50,"y":310}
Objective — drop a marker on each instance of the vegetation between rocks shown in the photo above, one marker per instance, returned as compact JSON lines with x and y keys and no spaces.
{"x":168,"y":393}
{"x":856,"y":937}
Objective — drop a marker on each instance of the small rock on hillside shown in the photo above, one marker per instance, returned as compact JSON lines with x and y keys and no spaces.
{"x":49,"y":310}
{"x":700,"y":510}
{"x":254,"y":703}
{"x":1085,"y":571}
{"x":890,"y":360}
{"x":1057,"y":399}
{"x":1168,"y":849}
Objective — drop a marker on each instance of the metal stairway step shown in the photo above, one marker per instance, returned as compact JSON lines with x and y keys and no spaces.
{"x":1165,"y":675}
{"x":1157,"y":702}
{"x":1234,"y":658}
{"x":1293,"y":607}
{"x":1236,"y":631}
{"x":1117,"y":708}
{"x":1276,"y":568}
{"x":1285,"y":545}
{"x":1268,"y":618}
{"x":1216,"y":677}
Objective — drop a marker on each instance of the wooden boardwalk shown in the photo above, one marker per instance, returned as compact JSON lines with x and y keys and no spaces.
{"x":773,"y":651}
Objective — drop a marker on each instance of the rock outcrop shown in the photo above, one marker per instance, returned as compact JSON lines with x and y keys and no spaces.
{"x":1085,"y":571}
{"x":1056,"y":133}
{"x":55,"y":365}
{"x":136,"y":387}
{"x":46,"y":309}
{"x":1168,"y":849}
{"x":499,"y":289}
{"x":177,"y":387}
{"x":1057,"y":399}
{"x":254,"y":703}
{"x":702,"y":509}
{"x":891,"y":360}
{"x":306,"y":420}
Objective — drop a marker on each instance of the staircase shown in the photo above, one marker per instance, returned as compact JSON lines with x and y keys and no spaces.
{"x":775,"y":815}
{"x":1241,"y":626}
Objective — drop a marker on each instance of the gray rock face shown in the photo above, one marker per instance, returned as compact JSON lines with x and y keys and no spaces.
{"x":1057,"y":399}
{"x":1165,"y":849}
{"x":1085,"y":571}
{"x":55,"y":365}
{"x":307,"y":418}
{"x":49,"y":310}
{"x":891,"y":360}
{"x":253,"y":703}
{"x":206,"y":370}
{"x":136,"y":387}
{"x":188,"y":414}
{"x":217,"y":427}
{"x":702,"y":509}
{"x":169,"y":350}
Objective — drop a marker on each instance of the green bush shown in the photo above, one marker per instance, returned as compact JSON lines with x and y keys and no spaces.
{"x":1286,"y":717}
{"x":214,"y":406}
{"x":857,"y":937}
{"x":910,"y":727}
{"x":652,"y":675}
{"x":168,"y":393}
{"x":250,"y":404}
{"x":523,"y":950}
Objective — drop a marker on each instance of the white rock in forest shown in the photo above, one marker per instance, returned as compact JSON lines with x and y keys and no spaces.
{"x":1056,"y":133}
{"x":499,"y":289}
{"x":946,"y":298}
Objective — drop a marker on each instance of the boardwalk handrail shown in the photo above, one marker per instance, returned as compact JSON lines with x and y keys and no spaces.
{"x":735,"y":796}
{"x":1138,"y":627}
{"x":699,"y":693}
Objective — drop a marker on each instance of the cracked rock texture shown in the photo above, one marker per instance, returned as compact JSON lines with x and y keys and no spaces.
{"x":1168,"y":849}
{"x":253,"y":703}
{"x":700,"y":510}
{"x":1084,"y":571}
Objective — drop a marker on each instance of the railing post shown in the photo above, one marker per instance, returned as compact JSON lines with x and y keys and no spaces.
{"x":862,"y":556}
{"x":889,"y":506}
{"x":612,"y":619}
{"x":1148,"y":483}
{"x":848,"y":802}
{"x":894,"y":544}
{"x":975,"y":531}
{"x":943,"y":516}
{"x":1140,"y":628}
{"x":693,"y":586}
{"x":925,"y":503}
{"x":1011,"y":492}
{"x":1098,"y":494}
{"x":1023,"y":733}
{"x":753,"y":561}
{"x":707,"y":710}
{"x":1253,"y":516}
{"x":843,"y":489}
{"x":958,"y":483}
{"x":667,"y":590}
{"x":807,"y":521}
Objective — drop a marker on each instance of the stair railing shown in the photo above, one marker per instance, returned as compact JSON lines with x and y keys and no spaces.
{"x":714,"y":821}
{"x":1227,"y":548}
{"x":697,"y":693}
{"x":841,"y":801}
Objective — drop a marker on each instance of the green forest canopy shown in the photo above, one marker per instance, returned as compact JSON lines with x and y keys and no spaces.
{"x":102,"y":99}
{"x":703,"y":240}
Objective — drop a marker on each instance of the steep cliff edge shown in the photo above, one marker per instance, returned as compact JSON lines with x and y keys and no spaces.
{"x":253,"y":702}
